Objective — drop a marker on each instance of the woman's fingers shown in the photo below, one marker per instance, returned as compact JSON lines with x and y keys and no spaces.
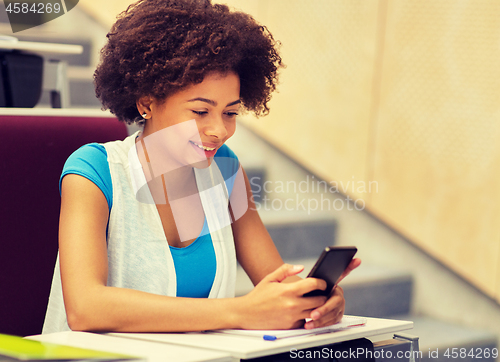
{"x":276,"y":305}
{"x":283,"y":272}
{"x":309,"y":284}
{"x":282,"y":305}
{"x":330,"y":312}
{"x":327,"y":320}
{"x":299,"y":287}
{"x":352,"y":265}
{"x":312,"y":303}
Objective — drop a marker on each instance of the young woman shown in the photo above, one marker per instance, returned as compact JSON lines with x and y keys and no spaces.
{"x":151,"y":227}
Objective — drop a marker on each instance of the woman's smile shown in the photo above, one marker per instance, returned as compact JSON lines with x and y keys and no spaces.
{"x":205,"y":150}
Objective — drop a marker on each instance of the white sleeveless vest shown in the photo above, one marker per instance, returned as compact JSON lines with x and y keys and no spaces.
{"x":138,"y":253}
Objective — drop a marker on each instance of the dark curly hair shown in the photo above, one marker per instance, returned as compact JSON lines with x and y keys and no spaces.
{"x":158,"y":47}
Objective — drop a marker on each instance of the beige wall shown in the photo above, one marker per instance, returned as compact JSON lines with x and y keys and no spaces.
{"x":104,"y":11}
{"x":406,"y":94}
{"x":437,"y":148}
{"x":402,"y":93}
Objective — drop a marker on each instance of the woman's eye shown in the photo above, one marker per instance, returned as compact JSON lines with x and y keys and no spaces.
{"x":200,"y":113}
{"x":232,"y":114}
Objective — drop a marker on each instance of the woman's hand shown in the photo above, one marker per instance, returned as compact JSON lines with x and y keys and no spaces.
{"x":276,"y":305}
{"x":333,"y":310}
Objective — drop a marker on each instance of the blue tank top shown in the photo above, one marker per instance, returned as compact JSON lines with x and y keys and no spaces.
{"x":195,"y":264}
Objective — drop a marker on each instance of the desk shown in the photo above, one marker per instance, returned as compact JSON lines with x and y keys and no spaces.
{"x":41,"y":47}
{"x":213,"y":347}
{"x":245,"y":347}
{"x":153,"y":352}
{"x":54,"y":72}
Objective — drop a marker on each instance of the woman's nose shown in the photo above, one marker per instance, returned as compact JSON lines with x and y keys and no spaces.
{"x":215,"y":128}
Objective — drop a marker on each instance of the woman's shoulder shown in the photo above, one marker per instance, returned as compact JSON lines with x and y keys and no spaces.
{"x":98,"y":155}
{"x":225,"y":151}
{"x":87,"y":155}
{"x":89,"y":150}
{"x":91,"y":162}
{"x":119,"y":151}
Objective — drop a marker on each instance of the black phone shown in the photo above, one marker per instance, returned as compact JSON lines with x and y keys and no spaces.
{"x":330,"y":265}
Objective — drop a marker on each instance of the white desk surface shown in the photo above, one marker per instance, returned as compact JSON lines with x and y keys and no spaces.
{"x":153,"y":352}
{"x":42,"y":47}
{"x":250,"y":347}
{"x":55,"y":112}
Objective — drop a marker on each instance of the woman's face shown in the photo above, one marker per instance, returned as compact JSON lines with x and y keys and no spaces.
{"x":192,"y":124}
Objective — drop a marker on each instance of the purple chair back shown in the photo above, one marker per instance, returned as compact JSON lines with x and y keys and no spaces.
{"x":33,"y":150}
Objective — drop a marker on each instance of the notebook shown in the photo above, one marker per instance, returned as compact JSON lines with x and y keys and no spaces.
{"x":14,"y":348}
{"x":272,"y":335}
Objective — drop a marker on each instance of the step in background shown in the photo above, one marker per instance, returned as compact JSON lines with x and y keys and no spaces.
{"x":438,"y":338}
{"x":299,"y":235}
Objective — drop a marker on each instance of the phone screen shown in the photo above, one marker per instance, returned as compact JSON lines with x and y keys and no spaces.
{"x":330,"y":266}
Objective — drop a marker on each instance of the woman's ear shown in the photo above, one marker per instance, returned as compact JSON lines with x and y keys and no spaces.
{"x":144,"y":106}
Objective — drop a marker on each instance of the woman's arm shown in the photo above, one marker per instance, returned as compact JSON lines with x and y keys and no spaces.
{"x":258,"y":256}
{"x":91,"y":305}
{"x":255,"y":250}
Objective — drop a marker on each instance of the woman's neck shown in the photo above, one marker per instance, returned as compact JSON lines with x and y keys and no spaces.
{"x":173,"y":182}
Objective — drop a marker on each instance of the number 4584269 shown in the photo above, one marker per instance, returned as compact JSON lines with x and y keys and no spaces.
{"x":487,"y":353}
{"x":34,"y":8}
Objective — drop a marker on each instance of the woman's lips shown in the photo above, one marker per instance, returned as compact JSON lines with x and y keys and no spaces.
{"x":206,"y":149}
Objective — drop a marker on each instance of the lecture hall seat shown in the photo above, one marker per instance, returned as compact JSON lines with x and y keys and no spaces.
{"x":33,"y":150}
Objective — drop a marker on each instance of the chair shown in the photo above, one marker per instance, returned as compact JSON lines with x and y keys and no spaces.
{"x":33,"y":150}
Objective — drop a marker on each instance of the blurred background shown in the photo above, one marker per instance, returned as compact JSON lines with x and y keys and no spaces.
{"x":384,"y":134}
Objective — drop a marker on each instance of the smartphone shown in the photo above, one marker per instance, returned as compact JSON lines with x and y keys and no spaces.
{"x":331,"y":264}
